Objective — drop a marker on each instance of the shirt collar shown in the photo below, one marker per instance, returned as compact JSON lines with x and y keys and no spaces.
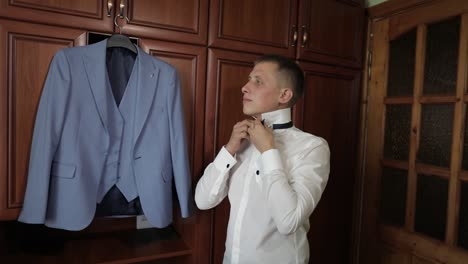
{"x":277,"y":117}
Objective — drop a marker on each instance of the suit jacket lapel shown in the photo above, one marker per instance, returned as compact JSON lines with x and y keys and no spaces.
{"x":148,"y":75}
{"x":96,"y":70}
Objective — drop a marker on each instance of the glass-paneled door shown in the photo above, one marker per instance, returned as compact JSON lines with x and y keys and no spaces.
{"x":415,"y":206}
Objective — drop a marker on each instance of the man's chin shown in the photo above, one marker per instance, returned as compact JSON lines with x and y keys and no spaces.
{"x":249,"y":113}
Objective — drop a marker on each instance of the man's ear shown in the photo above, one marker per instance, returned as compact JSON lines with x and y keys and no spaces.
{"x":285,"y":96}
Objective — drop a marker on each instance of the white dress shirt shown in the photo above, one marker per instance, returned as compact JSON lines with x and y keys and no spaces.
{"x":272,"y":194}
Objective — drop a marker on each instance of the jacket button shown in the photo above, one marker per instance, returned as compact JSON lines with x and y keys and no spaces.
{"x":227,"y":166}
{"x":258,"y":172}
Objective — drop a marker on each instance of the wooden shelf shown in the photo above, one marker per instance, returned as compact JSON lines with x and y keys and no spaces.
{"x":37,"y":244}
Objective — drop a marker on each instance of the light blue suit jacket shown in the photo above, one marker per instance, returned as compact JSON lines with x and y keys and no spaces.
{"x":71,"y":140}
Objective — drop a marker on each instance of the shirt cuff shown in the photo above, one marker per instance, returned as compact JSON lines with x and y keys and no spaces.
{"x":224,"y":160}
{"x":271,"y":160}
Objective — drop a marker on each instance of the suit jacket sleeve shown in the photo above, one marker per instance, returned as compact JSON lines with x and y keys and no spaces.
{"x":47,"y":130}
{"x":179,"y":155}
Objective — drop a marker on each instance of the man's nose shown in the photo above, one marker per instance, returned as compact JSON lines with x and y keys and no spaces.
{"x":244,"y":88}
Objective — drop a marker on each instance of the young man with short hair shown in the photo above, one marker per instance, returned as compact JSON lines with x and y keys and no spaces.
{"x":273,"y":173}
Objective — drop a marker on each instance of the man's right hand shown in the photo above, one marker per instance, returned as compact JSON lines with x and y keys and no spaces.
{"x":238,"y":135}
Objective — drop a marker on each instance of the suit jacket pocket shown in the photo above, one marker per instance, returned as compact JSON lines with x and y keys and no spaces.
{"x":63,"y":170}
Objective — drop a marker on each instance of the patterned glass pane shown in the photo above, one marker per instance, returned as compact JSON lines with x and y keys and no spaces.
{"x":436,"y":135}
{"x":463,"y":217}
{"x":397,"y":132}
{"x":465,"y":144}
{"x":442,"y":43}
{"x":401,"y":65}
{"x":393,"y":196}
{"x":431,"y":206}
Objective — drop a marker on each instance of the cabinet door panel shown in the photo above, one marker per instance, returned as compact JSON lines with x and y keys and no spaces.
{"x":330,"y":109}
{"x":177,"y":20}
{"x":26,"y":51}
{"x":262,"y":26}
{"x":90,"y":14}
{"x":227,"y":73}
{"x":331,"y":32}
{"x":190,"y":62}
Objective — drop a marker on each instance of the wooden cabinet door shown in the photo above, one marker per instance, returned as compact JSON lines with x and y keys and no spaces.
{"x":227,"y":73}
{"x":260,"y":26}
{"x":331,"y":31}
{"x":26,"y":51}
{"x":190,"y":62}
{"x":176,"y":20}
{"x":330,"y":109}
{"x":90,"y":14}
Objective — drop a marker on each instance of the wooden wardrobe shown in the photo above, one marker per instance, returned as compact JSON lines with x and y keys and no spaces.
{"x":213,"y":45}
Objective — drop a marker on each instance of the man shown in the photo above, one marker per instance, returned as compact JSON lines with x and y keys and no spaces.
{"x":273,"y":173}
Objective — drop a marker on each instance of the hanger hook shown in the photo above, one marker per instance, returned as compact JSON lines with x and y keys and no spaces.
{"x":117,"y":24}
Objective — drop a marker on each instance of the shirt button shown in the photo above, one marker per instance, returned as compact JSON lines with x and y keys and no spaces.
{"x":227,"y":166}
{"x":258,"y":172}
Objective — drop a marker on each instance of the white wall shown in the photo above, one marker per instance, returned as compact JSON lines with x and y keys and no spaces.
{"x":370,"y":3}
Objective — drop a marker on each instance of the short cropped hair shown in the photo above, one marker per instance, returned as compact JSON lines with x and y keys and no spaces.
{"x":290,"y":72}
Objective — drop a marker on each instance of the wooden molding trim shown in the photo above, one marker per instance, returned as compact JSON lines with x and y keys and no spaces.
{"x":393,"y":7}
{"x":422,"y":246}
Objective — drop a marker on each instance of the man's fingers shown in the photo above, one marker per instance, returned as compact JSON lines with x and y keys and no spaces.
{"x":244,"y":135}
{"x":241,"y":128}
{"x":258,"y":122}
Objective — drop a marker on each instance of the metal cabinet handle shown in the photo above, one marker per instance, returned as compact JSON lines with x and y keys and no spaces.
{"x":305,"y":36}
{"x":294,"y":40}
{"x":109,"y":7}
{"x":121,"y":8}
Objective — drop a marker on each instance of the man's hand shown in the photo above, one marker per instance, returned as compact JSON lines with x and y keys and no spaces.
{"x":238,"y":135}
{"x":261,"y":136}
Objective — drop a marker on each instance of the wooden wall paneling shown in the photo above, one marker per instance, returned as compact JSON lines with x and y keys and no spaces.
{"x":89,"y":14}
{"x":261,"y":26}
{"x":227,"y":73}
{"x":331,"y":32}
{"x":26,"y":52}
{"x":175,"y":20}
{"x":190,"y":62}
{"x":330,"y":109}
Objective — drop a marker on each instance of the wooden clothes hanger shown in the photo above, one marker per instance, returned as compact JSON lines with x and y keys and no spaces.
{"x":119,"y":40}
